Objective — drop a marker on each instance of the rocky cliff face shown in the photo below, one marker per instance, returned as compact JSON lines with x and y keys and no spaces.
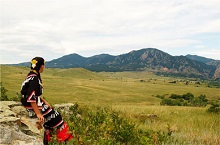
{"x":16,"y":128}
{"x":217,"y":72}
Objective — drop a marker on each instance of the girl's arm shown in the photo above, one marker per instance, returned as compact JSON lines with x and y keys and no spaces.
{"x":37,"y":112}
{"x":45,"y":101}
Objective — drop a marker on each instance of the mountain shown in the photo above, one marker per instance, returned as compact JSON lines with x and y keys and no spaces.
{"x":207,"y":61}
{"x":150,"y":59}
{"x":68,"y":61}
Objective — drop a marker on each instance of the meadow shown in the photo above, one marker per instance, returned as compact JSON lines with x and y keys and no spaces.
{"x":131,"y":93}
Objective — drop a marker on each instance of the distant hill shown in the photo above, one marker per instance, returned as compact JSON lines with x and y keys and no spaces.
{"x":150,"y":59}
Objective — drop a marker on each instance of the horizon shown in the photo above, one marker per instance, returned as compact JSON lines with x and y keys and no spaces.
{"x":109,"y":54}
{"x":52,"y":30}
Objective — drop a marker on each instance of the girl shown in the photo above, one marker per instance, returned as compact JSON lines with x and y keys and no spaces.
{"x":31,"y":91}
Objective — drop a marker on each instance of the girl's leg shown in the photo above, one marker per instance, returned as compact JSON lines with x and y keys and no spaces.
{"x":53,"y":119}
{"x":63,"y":133}
{"x":47,"y":136}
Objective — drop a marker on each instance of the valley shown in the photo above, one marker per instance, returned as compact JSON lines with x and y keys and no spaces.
{"x":131,"y":93}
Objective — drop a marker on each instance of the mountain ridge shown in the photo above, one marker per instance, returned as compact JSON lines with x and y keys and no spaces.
{"x":144,"y":59}
{"x":205,"y":60}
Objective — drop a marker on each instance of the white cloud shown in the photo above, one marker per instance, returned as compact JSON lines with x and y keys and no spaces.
{"x":211,"y":53}
{"x":53,"y":28}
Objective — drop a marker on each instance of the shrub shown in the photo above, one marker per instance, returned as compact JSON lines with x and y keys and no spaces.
{"x":171,"y":102}
{"x":106,"y":126}
{"x":159,"y":96}
{"x":214,"y":108}
{"x":175,"y":96}
{"x":185,"y":100}
{"x":200,"y":101}
{"x":4,"y":97}
{"x":102,"y":126}
{"x":215,"y":84}
{"x":16,"y":98}
{"x":188,"y":96}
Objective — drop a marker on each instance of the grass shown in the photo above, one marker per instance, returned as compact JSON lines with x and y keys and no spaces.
{"x":132,"y":93}
{"x":192,"y":125}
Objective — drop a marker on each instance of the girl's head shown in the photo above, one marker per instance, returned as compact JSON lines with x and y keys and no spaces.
{"x":37,"y":64}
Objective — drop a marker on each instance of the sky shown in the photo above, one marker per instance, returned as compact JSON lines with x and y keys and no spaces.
{"x":54,"y":28}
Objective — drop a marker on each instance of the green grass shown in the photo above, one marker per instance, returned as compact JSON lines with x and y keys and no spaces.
{"x":132,"y":93}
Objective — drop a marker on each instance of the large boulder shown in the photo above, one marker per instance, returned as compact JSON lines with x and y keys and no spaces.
{"x":16,"y":127}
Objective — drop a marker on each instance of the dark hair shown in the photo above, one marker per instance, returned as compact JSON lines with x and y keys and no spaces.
{"x":36,"y":63}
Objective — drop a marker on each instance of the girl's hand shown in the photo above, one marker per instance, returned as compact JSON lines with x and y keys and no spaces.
{"x":40,"y":117}
{"x":39,"y":125}
{"x":37,"y":112}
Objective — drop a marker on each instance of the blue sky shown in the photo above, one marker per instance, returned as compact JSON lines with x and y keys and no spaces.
{"x":53,"y":28}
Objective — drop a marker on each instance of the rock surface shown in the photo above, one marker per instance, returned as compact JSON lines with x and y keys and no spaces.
{"x":16,"y":128}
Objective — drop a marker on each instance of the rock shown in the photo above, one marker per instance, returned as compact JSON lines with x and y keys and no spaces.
{"x":9,"y":120}
{"x":30,"y":125}
{"x":15,"y":127}
{"x":6,"y":115}
{"x":10,"y":133}
{"x":151,"y":116}
{"x":10,"y":103}
{"x":8,"y":112}
{"x":174,"y":128}
{"x":20,"y":110}
{"x":63,"y":107}
{"x":3,"y":106}
{"x":19,"y":142}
